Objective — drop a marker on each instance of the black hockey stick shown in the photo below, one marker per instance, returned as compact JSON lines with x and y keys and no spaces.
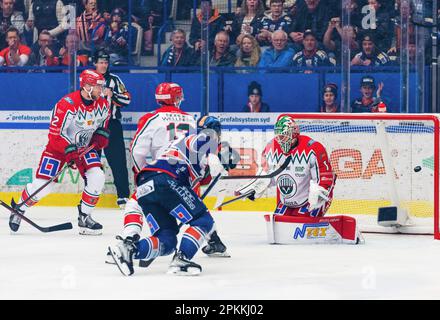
{"x":248,"y":194}
{"x":58,"y":227}
{"x":211,"y":185}
{"x":264,"y":176}
{"x":19,"y":205}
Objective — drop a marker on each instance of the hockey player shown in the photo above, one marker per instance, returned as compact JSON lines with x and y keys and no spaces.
{"x":305,"y":187}
{"x":156,"y":130}
{"x":118,"y":97}
{"x":164,"y":192}
{"x":79,"y":120}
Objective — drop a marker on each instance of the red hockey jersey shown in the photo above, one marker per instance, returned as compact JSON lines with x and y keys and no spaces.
{"x":73,"y":122}
{"x":309,"y":160}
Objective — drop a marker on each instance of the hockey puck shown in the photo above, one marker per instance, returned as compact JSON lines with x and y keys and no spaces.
{"x":417,"y":169}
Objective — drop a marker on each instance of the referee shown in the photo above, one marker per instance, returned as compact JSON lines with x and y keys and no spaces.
{"x":118,"y":97}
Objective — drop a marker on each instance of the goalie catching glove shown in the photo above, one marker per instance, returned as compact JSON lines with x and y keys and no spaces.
{"x":255,"y":188}
{"x":318,"y":195}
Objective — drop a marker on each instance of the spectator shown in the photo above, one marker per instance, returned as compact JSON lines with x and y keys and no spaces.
{"x":378,"y":25}
{"x":370,"y":55}
{"x":9,"y":18}
{"x":249,"y":53}
{"x":222,"y":56}
{"x":255,"y":103}
{"x":216,"y":24}
{"x":243,"y":24}
{"x":368,"y":103}
{"x":311,"y":56}
{"x":314,"y":15}
{"x":47,"y":15}
{"x":179,"y":54}
{"x":43,"y":51}
{"x":71,"y":45}
{"x":330,"y":96}
{"x":279,"y":55}
{"x":335,"y":35}
{"x":90,"y":26}
{"x":148,"y":16}
{"x":16,"y":54}
{"x":116,"y":38}
{"x":274,"y":20}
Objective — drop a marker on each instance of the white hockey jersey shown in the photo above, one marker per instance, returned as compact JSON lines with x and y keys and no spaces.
{"x":155,"y":130}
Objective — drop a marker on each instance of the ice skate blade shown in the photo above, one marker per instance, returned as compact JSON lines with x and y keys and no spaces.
{"x":89,"y":232}
{"x":218,"y":255}
{"x":177,"y":271}
{"x":123,"y":267}
{"x":109,"y":258}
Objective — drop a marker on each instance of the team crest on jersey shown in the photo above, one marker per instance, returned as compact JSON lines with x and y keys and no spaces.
{"x":287,"y":186}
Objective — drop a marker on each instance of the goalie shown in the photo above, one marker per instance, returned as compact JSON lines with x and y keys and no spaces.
{"x":304,"y":189}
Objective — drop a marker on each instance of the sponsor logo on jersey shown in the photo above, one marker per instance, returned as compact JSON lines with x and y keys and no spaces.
{"x":287,"y":185}
{"x":145,"y":189}
{"x":312,"y":231}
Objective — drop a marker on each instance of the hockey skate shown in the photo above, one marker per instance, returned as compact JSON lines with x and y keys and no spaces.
{"x":14,"y":219}
{"x":215,"y":247}
{"x":88,"y":226}
{"x":142,"y":263}
{"x":181,"y":266}
{"x":123,"y":252}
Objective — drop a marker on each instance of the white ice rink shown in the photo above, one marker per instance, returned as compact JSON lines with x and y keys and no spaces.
{"x":65,"y":265}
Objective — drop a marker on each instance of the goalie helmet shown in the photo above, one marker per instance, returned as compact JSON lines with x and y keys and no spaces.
{"x":169,"y":94}
{"x":286,"y":132}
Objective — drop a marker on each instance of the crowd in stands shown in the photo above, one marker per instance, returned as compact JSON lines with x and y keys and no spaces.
{"x":304,"y":33}
{"x":47,"y":32}
{"x":263,"y":33}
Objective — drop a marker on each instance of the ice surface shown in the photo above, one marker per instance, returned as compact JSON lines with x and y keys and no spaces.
{"x":65,"y":265}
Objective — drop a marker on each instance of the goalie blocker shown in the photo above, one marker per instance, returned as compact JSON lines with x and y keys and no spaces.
{"x":307,"y":230}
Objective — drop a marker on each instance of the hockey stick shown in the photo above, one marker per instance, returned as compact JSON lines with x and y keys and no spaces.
{"x":244,"y":195}
{"x":58,"y":227}
{"x":82,"y":154}
{"x":263,"y":176}
{"x":211,"y":185}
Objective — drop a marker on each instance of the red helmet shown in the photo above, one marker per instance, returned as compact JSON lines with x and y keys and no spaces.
{"x":170,"y":94}
{"x":90,"y":77}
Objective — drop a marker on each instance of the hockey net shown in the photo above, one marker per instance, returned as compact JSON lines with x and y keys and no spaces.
{"x":381,"y":160}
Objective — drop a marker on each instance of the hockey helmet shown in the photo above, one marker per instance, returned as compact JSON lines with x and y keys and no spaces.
{"x":101,"y":54}
{"x":91,"y":78}
{"x":169,"y":94}
{"x":286,"y":132}
{"x":209,"y":122}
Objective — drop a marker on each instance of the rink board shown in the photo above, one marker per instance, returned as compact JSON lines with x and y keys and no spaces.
{"x":354,"y":164}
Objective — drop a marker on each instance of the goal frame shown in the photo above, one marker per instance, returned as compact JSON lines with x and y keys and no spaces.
{"x":393,"y":116}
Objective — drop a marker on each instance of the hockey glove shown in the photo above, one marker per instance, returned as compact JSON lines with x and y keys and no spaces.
{"x":100,"y":138}
{"x":74,"y":159}
{"x":318,"y":195}
{"x":228,"y":156}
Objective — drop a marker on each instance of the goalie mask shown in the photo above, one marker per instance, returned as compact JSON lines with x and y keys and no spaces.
{"x":286,"y":132}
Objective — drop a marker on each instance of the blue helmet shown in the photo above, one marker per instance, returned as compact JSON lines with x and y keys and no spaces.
{"x":209,"y":122}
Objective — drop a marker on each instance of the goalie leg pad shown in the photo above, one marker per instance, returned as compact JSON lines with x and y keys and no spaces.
{"x":307,"y":230}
